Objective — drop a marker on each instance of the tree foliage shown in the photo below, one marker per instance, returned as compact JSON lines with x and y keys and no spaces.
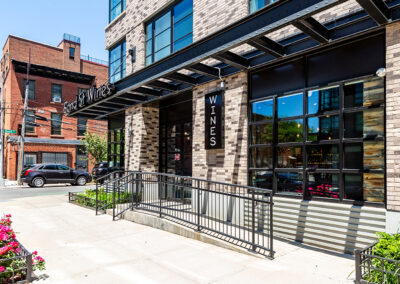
{"x":96,"y":147}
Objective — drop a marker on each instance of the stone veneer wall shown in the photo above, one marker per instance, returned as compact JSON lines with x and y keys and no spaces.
{"x":393,"y":116}
{"x":142,"y":146}
{"x":230,"y":163}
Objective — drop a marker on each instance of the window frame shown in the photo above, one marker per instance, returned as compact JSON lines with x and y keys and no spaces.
{"x":52,"y":92}
{"x":341,"y":142}
{"x":72,"y":53}
{"x":172,"y":25}
{"x":121,"y":66}
{"x":255,"y":10}
{"x":30,"y":84}
{"x":54,"y":130}
{"x":121,"y":4}
{"x":80,"y":127}
{"x":27,"y":127}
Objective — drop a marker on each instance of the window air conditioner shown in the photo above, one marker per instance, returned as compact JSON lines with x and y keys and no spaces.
{"x":57,"y":100}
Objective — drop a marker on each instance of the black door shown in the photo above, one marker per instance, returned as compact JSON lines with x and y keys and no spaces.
{"x":176,"y":136}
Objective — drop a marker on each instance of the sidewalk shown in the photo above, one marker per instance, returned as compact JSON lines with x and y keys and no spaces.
{"x":80,"y":247}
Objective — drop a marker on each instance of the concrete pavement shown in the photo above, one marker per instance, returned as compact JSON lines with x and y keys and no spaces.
{"x":82,"y":248}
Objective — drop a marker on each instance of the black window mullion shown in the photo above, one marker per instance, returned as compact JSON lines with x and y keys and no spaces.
{"x":305,"y":133}
{"x":341,"y":137}
{"x":274,"y":147}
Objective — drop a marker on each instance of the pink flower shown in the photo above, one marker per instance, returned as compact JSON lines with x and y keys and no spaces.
{"x":8,"y":215}
{"x":34,"y":253}
{"x":2,"y":269}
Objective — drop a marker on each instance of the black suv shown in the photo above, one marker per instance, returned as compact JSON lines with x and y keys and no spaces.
{"x":39,"y":174}
{"x":99,"y":170}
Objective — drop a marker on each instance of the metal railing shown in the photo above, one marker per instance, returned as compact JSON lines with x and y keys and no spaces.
{"x":19,"y":267}
{"x":238,"y":214}
{"x":95,"y":60}
{"x":375,"y":269}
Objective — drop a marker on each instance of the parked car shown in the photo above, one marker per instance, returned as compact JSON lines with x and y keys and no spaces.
{"x":99,"y":170}
{"x":39,"y":174}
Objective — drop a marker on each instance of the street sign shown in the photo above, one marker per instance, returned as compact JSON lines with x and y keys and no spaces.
{"x":10,"y":131}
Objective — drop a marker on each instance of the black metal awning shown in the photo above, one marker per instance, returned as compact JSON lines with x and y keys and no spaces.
{"x":165,"y":77}
{"x":49,"y":72}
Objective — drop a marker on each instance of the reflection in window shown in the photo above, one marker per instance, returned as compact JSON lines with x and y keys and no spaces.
{"x":368,"y":155}
{"x":289,"y":106}
{"x":116,"y":8}
{"x":323,"y":157}
{"x":364,"y":124}
{"x":258,"y":4}
{"x":261,"y":134}
{"x":262,"y":110}
{"x":261,"y":158}
{"x":290,"y":131}
{"x":364,"y":93}
{"x":323,"y":100}
{"x":364,"y":187}
{"x":290,"y":157}
{"x":323,"y":185}
{"x":117,"y":58}
{"x":290,"y":183}
{"x":323,"y":128}
{"x":170,"y":32}
{"x":30,"y":118}
{"x":262,"y":179}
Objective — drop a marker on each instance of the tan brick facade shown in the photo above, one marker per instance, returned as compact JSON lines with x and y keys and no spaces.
{"x":393,"y":116}
{"x":230,"y":163}
{"x":142,"y":144}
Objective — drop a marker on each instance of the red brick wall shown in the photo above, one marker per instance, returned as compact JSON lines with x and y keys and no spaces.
{"x":53,"y":57}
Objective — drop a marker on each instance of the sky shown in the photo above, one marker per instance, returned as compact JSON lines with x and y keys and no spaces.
{"x":46,"y":21}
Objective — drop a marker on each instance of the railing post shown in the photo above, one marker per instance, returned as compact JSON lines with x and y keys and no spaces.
{"x":271,"y":225}
{"x":132,"y":176}
{"x":357,"y":256}
{"x":160,"y":184}
{"x":253,"y":221}
{"x":138,"y":177}
{"x":113,"y":200}
{"x":198,"y":206}
{"x":97,"y":198}
{"x":29,"y":268}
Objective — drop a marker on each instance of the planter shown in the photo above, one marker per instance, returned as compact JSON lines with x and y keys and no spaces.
{"x":18,"y":268}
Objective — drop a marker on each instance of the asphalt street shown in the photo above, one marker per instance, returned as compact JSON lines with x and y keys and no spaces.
{"x":11,"y":193}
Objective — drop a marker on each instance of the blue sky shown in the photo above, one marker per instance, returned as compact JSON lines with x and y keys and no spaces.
{"x":47,"y":20}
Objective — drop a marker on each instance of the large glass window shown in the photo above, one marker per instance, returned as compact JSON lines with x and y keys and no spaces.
{"x":32,"y":87}
{"x":116,"y":8}
{"x":170,"y":31}
{"x":321,"y":143}
{"x":117,"y":57}
{"x":56,"y":119}
{"x":258,"y":4}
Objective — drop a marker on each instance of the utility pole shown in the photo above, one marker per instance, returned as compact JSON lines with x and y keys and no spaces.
{"x":3,"y":77}
{"x":22,"y":138}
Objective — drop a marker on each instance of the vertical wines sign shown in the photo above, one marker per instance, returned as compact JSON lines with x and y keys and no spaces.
{"x":213,"y":120}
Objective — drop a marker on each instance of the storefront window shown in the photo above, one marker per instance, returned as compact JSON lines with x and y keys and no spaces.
{"x":323,"y":100}
{"x":290,"y":106}
{"x":337,"y":144}
{"x":323,"y":128}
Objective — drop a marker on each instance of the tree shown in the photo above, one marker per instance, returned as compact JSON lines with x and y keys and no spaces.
{"x":96,"y":147}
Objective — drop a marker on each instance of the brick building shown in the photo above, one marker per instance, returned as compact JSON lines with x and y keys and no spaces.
{"x":57,"y":74}
{"x":308,"y":99}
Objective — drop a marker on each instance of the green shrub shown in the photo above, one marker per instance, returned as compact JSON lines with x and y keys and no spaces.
{"x":388,"y":246}
{"x":104,"y":199}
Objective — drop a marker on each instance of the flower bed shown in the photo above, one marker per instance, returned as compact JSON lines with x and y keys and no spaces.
{"x":16,"y":263}
{"x":379,"y":262}
{"x":105,"y":199}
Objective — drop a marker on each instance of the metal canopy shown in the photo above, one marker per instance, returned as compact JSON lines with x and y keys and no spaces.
{"x":169,"y":76}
